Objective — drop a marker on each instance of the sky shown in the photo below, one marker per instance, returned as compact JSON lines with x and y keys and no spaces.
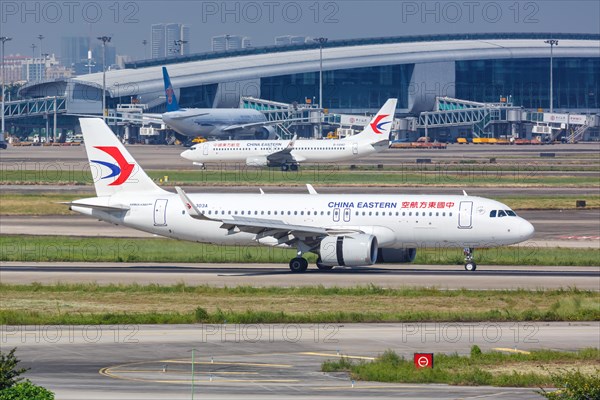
{"x":128,"y":22}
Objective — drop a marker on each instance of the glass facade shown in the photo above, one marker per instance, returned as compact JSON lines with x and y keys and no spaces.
{"x":201,"y":96}
{"x":576,"y":81}
{"x":351,"y":88}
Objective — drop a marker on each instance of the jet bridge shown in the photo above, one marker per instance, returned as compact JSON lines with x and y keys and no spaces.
{"x":456,"y":112}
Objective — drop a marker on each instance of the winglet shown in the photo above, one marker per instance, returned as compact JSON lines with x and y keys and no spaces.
{"x":261,"y":191}
{"x":189,"y":205}
{"x":293,"y":141}
{"x":311,"y":189}
{"x":465,"y":193}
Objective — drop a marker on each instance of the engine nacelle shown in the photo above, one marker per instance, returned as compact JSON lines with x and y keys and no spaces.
{"x":350,"y":251}
{"x":257,"y":161}
{"x":396,"y":255}
{"x":264,"y":133}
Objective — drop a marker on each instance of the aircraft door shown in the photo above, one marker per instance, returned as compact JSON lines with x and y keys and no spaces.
{"x":160,"y":212}
{"x":205,"y":149}
{"x":355,"y":148}
{"x":336,"y":215}
{"x":347,"y":214}
{"x":465,"y":215}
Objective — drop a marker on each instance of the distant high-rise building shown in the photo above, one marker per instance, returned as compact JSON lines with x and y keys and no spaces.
{"x":289,"y":39}
{"x":169,"y":40}
{"x":230,"y":42}
{"x":73,"y":49}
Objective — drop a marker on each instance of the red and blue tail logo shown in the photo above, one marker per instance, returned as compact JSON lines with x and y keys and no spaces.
{"x":169,"y":92}
{"x":122,"y":171}
{"x":377,"y":125}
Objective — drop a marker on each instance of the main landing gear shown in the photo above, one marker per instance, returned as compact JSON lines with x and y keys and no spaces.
{"x":298,"y":264}
{"x":469,"y":262}
{"x":289,"y":167}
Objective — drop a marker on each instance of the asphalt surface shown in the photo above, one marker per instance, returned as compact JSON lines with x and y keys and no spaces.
{"x":264,"y":361}
{"x":167,"y":157}
{"x":452,"y":277}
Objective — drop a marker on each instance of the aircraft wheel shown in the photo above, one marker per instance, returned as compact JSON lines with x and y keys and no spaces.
{"x":298,"y":264}
{"x":470,"y":266}
{"x":285,"y":167}
{"x":323,"y":267}
{"x":294,"y":167}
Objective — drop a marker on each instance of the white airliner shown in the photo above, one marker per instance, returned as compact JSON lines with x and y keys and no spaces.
{"x":222,"y":123}
{"x":342,"y":229}
{"x":288,"y":154}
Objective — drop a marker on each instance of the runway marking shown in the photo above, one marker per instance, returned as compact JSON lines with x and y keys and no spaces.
{"x":160,"y":371}
{"x":228,"y":363}
{"x":356,"y":386}
{"x":310,"y":353}
{"x":511,"y":350}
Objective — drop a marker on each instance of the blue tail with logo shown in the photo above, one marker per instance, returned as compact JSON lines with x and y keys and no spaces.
{"x":172,"y":104}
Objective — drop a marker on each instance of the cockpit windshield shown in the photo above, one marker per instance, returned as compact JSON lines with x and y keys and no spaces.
{"x":502,"y":213}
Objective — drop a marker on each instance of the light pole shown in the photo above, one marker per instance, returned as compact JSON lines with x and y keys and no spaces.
{"x":104,"y":39}
{"x":552,"y":43}
{"x":3,"y":39}
{"x":30,"y":70}
{"x":145,"y":42}
{"x":41,"y":37}
{"x":321,"y":41}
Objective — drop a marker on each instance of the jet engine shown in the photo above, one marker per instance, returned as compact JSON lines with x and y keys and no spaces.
{"x":264,"y":133}
{"x":396,"y":255}
{"x":257,"y":161}
{"x":350,"y":251}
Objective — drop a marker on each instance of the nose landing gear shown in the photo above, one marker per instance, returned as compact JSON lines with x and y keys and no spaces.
{"x":469,"y":259}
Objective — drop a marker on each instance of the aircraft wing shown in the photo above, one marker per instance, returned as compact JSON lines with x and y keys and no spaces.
{"x":146,"y":118}
{"x":262,"y":123}
{"x":282,"y":231}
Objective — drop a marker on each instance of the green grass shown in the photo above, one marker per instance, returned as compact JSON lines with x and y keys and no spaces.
{"x":86,"y":249}
{"x":491,"y":368}
{"x":153,"y":304}
{"x":329,"y":175}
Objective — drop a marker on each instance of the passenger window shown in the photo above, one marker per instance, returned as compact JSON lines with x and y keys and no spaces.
{"x":501,"y":213}
{"x":493,"y":214}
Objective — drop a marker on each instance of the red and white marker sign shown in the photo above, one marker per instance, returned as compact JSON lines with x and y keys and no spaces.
{"x":423,"y":360}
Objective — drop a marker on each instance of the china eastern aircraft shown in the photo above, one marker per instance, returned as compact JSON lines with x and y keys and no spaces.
{"x":349,"y":230}
{"x":288,"y":154}
{"x":222,"y":123}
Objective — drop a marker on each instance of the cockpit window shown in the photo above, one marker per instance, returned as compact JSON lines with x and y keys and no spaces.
{"x":501,"y":213}
{"x":510,"y":213}
{"x":493,"y":214}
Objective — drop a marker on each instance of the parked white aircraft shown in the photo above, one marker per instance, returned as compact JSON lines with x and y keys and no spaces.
{"x":222,"y":123}
{"x":288,"y":154}
{"x":343,"y":230}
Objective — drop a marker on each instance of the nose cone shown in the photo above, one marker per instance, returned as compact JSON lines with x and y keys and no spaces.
{"x":187,"y":154}
{"x":526,"y":230}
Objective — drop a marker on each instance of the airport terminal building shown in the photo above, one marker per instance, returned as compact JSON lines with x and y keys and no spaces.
{"x":359,"y":75}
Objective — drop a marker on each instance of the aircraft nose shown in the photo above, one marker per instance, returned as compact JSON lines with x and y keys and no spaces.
{"x":187,"y":154}
{"x":526,"y":230}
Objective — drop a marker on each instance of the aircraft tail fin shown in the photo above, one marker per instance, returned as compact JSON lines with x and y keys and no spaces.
{"x":172,"y":104}
{"x":381,"y":125}
{"x":113,"y":169}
